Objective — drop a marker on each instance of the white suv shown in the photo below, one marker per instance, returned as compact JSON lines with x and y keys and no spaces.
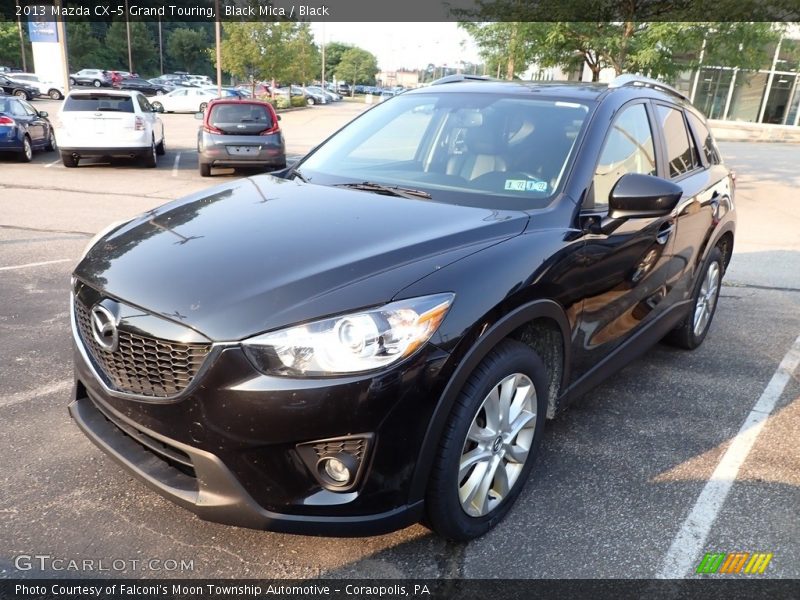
{"x":108,"y":124}
{"x":46,"y":88}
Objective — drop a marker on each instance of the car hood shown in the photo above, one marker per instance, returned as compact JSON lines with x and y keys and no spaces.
{"x":261,"y":253}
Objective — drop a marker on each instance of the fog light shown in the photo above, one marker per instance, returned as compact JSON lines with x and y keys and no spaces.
{"x":337,"y":471}
{"x":337,"y":463}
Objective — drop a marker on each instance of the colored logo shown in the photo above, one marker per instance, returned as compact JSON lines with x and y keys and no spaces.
{"x":734,"y":562}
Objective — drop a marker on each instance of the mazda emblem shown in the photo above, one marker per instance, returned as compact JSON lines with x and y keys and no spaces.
{"x":104,"y":328}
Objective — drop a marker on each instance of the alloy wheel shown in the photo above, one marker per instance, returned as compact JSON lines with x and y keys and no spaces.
{"x":27,"y":149}
{"x":497,"y":445}
{"x":706,"y":299}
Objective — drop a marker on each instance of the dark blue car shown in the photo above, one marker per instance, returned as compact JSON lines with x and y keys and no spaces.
{"x":24,"y":129}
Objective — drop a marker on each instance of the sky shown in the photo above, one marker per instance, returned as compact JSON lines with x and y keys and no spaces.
{"x":403,"y":45}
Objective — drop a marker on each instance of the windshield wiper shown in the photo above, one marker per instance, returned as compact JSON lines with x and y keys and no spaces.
{"x":391,"y":190}
{"x":295,"y":174}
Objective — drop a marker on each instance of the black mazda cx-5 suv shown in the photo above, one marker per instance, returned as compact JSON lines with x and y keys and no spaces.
{"x":376,"y":335}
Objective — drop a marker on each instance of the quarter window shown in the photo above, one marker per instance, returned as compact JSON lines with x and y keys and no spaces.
{"x":628,"y":149}
{"x":709,"y":147}
{"x":681,"y":153}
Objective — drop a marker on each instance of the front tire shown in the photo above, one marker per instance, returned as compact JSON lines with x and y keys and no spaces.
{"x":489,"y":445}
{"x":694,"y":328}
{"x":205,"y":170}
{"x":158,"y":106}
{"x":203,"y":107}
{"x":96,"y":83}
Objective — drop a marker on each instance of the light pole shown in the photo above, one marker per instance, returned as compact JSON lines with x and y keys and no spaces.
{"x":218,"y":36}
{"x":21,"y":40}
{"x":160,"y":48}
{"x":128,"y":30}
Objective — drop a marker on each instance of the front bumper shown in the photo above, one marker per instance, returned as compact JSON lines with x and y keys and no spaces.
{"x":228,"y":447}
{"x":214,"y":493}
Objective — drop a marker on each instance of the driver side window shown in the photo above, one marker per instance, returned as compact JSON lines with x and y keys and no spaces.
{"x":628,"y":149}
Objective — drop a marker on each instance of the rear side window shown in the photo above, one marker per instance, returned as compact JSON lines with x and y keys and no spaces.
{"x":628,"y":149}
{"x":681,"y":152}
{"x":98,"y":103}
{"x":709,"y":147}
{"x":226,"y":114}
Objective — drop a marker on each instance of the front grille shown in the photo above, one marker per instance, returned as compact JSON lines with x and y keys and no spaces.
{"x":142,"y":365}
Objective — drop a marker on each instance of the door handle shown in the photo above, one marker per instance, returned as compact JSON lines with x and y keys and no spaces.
{"x":662,"y":237}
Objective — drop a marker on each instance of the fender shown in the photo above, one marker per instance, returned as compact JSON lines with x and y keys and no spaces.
{"x":471,"y":359}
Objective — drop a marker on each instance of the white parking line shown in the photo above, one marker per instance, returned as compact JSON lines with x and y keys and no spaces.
{"x":175,"y":164}
{"x":36,"y":264}
{"x":55,"y":162}
{"x":45,"y":390}
{"x":688,"y":543}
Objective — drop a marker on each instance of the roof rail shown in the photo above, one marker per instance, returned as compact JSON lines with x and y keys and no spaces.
{"x":460,"y":77}
{"x":634,"y":80}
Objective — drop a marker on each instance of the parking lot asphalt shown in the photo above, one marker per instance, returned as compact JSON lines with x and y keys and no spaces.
{"x":617,"y":477}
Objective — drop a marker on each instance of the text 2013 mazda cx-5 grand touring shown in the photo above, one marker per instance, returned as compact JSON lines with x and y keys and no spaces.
{"x":377,"y":336}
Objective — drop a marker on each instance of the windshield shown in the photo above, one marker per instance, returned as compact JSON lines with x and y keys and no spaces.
{"x":478,"y":149}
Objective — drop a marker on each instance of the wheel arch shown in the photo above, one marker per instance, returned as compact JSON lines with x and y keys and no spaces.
{"x":537,"y":324}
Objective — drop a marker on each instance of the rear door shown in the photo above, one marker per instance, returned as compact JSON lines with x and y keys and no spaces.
{"x":694,"y":165}
{"x":37,"y":126}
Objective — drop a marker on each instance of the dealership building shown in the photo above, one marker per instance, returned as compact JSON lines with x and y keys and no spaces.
{"x":769,"y":95}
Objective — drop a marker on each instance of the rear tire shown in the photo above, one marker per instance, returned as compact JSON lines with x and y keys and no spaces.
{"x":51,"y":141}
{"x":69,"y":160}
{"x":55,"y":95}
{"x":161,"y":148}
{"x":205,"y":170}
{"x":468,"y":495}
{"x":71,"y":81}
{"x":694,"y":328}
{"x":96,"y":83}
{"x":150,"y":160}
{"x":21,"y":94}
{"x":203,"y":107}
{"x":158,"y":106}
{"x":27,"y":150}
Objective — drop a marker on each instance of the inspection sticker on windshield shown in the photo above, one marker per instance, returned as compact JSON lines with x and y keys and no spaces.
{"x":523,"y":185}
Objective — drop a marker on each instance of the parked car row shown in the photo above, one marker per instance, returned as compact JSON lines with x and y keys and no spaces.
{"x":114,"y":123}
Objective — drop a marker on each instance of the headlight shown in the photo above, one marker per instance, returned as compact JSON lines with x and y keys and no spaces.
{"x":351,"y":343}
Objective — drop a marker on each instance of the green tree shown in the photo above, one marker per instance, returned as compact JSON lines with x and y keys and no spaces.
{"x":305,"y":61}
{"x":658,"y":49}
{"x":85,"y":49}
{"x":357,"y":66}
{"x":10,"y":55}
{"x":333,"y":54}
{"x":143,"y":49}
{"x":259,"y":50}
{"x":187,"y":49}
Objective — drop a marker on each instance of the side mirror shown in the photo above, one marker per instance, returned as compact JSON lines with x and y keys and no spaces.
{"x":43,"y":114}
{"x":637,"y":196}
{"x":199,"y":116}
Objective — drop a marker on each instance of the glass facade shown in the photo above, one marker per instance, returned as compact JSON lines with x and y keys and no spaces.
{"x":770,"y":95}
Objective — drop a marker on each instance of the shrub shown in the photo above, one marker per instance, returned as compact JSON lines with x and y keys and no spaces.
{"x":298,"y":101}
